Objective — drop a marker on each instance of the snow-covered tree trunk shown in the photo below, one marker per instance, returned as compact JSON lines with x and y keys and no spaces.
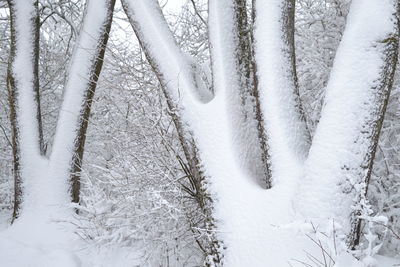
{"x":340,"y":161}
{"x":42,"y":183}
{"x":241,"y":102}
{"x":247,"y":119}
{"x":225,"y":126}
{"x":84,"y":73}
{"x":288,"y":136}
{"x":181,"y":85}
{"x":23,"y":88}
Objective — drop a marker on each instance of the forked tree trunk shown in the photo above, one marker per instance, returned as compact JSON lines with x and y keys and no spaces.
{"x":339,"y":163}
{"x":33,"y":171}
{"x":233,"y":81}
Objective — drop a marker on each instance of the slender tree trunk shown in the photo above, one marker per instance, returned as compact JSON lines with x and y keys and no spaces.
{"x":259,"y":117}
{"x":95,"y":69}
{"x":87,"y":61}
{"x":36,"y":76}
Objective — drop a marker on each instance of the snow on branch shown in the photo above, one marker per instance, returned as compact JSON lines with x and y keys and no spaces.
{"x":175,"y":70}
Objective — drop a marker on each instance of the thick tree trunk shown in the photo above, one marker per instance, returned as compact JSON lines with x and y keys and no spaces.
{"x":341,"y":157}
{"x":79,"y":91}
{"x":23,"y":90}
{"x":288,"y":138}
{"x":180,"y":83}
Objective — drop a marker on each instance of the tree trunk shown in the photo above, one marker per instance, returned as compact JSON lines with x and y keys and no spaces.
{"x":288,"y":138}
{"x":180,"y":82}
{"x":341,"y":157}
{"x":41,"y":183}
{"x":23,"y":90}
{"x":248,"y":121}
{"x":94,"y":73}
{"x":87,"y":61}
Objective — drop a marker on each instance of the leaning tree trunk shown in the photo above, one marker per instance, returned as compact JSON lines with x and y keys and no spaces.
{"x":87,"y":62}
{"x":180,"y":81}
{"x":89,"y":89}
{"x":341,"y":157}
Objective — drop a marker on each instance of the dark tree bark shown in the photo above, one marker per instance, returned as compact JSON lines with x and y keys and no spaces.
{"x":250,"y":108}
{"x":96,"y":67}
{"x":192,"y":165}
{"x":382,"y":91}
{"x":14,"y":91}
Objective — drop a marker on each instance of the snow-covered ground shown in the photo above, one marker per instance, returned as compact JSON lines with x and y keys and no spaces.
{"x":35,"y":243}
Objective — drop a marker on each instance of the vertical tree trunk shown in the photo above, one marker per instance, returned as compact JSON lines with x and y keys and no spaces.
{"x":248,"y":120}
{"x":287,"y":135}
{"x":23,"y":90}
{"x":259,"y":116}
{"x":36,"y":76}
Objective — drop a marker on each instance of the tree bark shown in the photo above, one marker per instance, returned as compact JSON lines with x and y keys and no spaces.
{"x":287,"y":137}
{"x":341,"y":157}
{"x":382,"y":90}
{"x":87,"y":61}
{"x":23,"y":86}
{"x":255,"y":156}
{"x":179,"y":82}
{"x":95,"y":70}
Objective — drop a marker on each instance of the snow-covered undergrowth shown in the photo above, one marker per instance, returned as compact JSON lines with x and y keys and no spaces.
{"x":30,"y":242}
